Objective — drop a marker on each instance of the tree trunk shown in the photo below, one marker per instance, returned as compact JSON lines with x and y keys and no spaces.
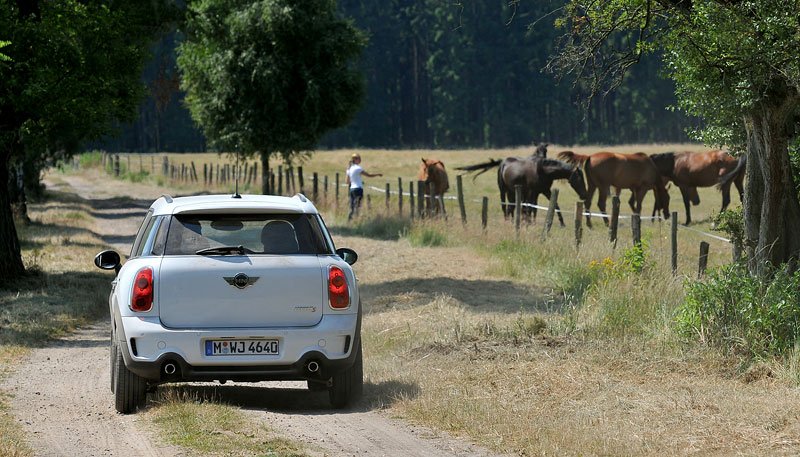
{"x":265,"y":173}
{"x":771,"y":207}
{"x":11,"y":266}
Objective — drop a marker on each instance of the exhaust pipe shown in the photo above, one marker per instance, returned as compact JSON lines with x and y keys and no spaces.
{"x":312,"y":366}
{"x":169,"y":368}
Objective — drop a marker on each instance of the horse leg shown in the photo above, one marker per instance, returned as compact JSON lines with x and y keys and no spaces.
{"x":632,"y":200}
{"x":534,"y":201}
{"x":685,"y":195}
{"x":601,"y":202}
{"x":589,"y":195}
{"x":726,"y":195}
{"x":547,"y":193}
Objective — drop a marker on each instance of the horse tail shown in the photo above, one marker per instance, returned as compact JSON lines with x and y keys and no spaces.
{"x":726,"y":179}
{"x":571,"y":157}
{"x":483,"y":167}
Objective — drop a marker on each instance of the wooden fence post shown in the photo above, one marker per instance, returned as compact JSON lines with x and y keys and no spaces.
{"x":400,"y":196}
{"x":194,"y":172}
{"x":300,"y":180}
{"x":703,"y":261}
{"x":205,"y":174}
{"x":674,"y":244}
{"x":484,"y":212}
{"x":551,"y":212}
{"x":116,"y":165}
{"x":128,"y":160}
{"x":336,"y":183}
{"x":420,"y":199}
{"x":430,"y":202}
{"x":411,"y":199}
{"x":461,"y":206}
{"x":614,"y":225}
{"x":165,"y":166}
{"x":636,"y":228}
{"x":325,"y":188}
{"x":280,"y":180}
{"x":388,"y":195}
{"x":518,"y":207}
{"x":578,"y":223}
{"x":314,"y":186}
{"x":289,"y":181}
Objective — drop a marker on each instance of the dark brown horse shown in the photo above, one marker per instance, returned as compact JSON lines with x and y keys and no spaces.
{"x":690,"y":170}
{"x":536,"y":175}
{"x":433,"y":173}
{"x":622,"y":171}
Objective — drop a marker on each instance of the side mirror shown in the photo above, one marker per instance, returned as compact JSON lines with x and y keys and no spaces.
{"x":348,"y":255}
{"x":108,"y":260}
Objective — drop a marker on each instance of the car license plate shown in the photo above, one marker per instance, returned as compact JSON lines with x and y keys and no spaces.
{"x":242,"y":347}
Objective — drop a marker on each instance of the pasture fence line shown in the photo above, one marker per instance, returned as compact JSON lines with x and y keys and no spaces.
{"x":424,"y":203}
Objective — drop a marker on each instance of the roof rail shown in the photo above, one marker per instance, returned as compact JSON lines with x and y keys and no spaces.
{"x":166,"y":197}
{"x":301,"y":197}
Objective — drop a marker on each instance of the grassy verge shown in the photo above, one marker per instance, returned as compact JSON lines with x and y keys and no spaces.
{"x":61,"y":292}
{"x":211,"y":428}
{"x":64,"y":291}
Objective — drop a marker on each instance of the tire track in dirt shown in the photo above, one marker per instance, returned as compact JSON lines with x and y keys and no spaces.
{"x":61,"y":393}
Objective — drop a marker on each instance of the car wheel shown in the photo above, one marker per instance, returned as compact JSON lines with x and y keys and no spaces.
{"x":348,"y":384}
{"x":130,"y":391}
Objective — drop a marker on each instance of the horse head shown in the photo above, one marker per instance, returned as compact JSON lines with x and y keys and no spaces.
{"x":578,"y":183}
{"x":541,"y":150}
{"x":662,"y":200}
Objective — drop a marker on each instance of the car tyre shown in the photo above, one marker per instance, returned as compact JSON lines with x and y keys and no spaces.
{"x":130,"y":390}
{"x":348,"y":384}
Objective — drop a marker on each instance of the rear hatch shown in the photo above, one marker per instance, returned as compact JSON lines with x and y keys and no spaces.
{"x":283,"y":291}
{"x":242,"y":270}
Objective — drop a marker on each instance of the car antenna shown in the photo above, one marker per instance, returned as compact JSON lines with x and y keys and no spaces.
{"x":236,"y":192}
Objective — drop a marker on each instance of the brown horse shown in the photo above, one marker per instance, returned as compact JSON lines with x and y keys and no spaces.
{"x":433,"y":173}
{"x":690,"y":170}
{"x":622,"y":171}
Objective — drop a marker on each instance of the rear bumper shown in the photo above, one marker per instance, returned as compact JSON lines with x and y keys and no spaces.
{"x":151,"y":346}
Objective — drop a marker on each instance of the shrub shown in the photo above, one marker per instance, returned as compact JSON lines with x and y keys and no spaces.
{"x":427,"y":236}
{"x":91,"y":159}
{"x":735,"y":311}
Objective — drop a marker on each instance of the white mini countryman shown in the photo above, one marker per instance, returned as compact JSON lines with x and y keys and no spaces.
{"x":241,"y":288}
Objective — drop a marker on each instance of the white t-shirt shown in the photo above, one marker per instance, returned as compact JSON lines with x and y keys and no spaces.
{"x":354,"y":173}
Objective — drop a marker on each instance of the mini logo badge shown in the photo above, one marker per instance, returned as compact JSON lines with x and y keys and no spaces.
{"x":241,"y":280}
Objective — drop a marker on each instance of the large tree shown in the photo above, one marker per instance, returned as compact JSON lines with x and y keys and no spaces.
{"x":270,"y":76}
{"x":74,"y":70}
{"x":736,"y":65}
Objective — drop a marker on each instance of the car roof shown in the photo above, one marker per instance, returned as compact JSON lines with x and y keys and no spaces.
{"x":232,"y":205}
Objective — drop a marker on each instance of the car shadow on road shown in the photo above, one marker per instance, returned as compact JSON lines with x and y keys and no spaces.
{"x":293,"y":400}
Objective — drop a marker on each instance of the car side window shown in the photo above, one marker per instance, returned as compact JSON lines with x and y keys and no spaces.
{"x":160,"y":241}
{"x":145,"y":239}
{"x":137,"y":243}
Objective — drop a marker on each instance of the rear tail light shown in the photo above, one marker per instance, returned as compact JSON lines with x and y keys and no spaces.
{"x":142,"y":297}
{"x":338,"y":292}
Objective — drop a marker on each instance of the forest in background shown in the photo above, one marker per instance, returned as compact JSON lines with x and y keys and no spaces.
{"x":445,"y":75}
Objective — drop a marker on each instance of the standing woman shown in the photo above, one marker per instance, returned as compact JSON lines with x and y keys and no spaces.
{"x":354,"y":172}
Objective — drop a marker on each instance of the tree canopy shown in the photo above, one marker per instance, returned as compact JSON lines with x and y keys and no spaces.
{"x":74,"y":70}
{"x":735,"y":65}
{"x":270,"y":76}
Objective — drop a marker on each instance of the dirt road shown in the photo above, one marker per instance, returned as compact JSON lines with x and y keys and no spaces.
{"x":61,"y":393}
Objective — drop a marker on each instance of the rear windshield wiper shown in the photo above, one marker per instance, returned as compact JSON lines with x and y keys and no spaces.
{"x":222,"y":250}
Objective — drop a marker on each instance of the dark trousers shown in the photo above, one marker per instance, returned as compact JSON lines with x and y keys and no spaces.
{"x":355,"y":201}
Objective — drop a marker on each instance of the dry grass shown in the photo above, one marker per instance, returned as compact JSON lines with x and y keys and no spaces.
{"x":533,"y":347}
{"x":210,"y":428}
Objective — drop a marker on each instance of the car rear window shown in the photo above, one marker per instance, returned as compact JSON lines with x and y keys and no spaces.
{"x":283,"y":234}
